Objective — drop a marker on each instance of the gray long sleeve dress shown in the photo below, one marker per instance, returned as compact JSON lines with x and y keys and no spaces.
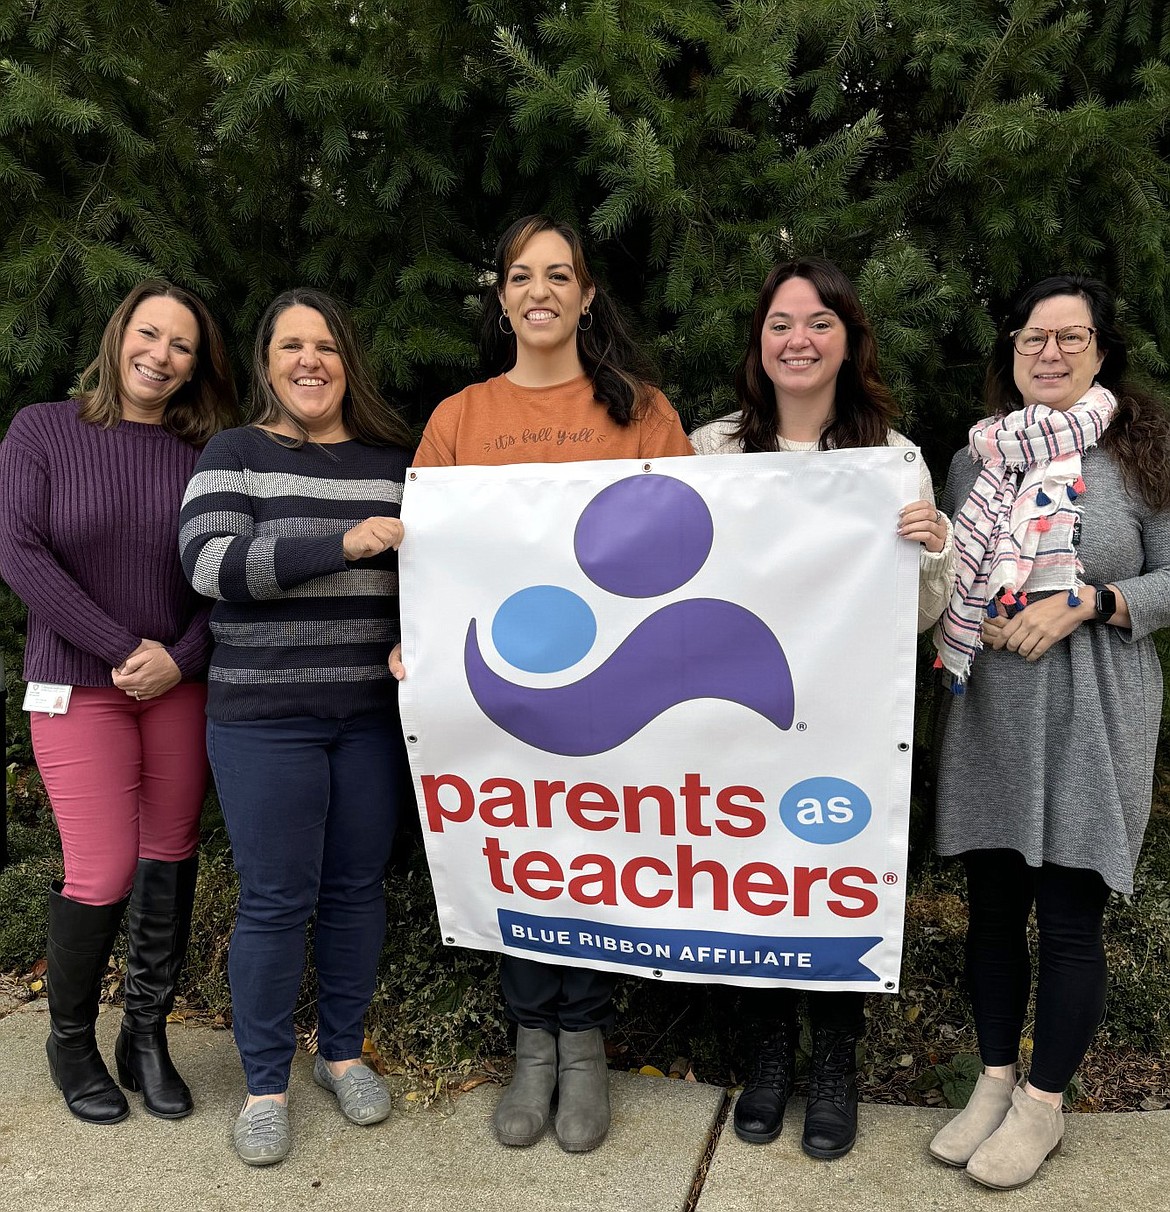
{"x":1055,"y":758}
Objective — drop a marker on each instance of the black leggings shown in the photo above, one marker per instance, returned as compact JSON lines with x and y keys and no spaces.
{"x":1071,"y":981}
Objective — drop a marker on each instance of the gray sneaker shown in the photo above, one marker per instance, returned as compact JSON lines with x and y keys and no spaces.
{"x":361,"y":1093}
{"x":261,"y":1133}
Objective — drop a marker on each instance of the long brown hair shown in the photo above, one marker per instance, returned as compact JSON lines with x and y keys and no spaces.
{"x":622,"y":376}
{"x":1139,"y":434}
{"x":862,"y":406}
{"x":366,"y":415}
{"x":201,"y":407}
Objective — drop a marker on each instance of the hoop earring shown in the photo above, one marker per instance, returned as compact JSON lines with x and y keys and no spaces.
{"x":502,"y":320}
{"x":585,"y":315}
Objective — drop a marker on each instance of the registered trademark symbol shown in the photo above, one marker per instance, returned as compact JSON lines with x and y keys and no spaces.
{"x":890,"y":877}
{"x":802,"y":727}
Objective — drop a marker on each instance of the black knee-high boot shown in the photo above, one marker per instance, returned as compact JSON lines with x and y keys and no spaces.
{"x":159,"y":926}
{"x":80,"y":940}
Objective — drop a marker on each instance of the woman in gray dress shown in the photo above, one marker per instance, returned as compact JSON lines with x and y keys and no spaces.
{"x":1061,"y":506}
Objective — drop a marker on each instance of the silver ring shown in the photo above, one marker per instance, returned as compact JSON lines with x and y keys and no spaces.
{"x":938,"y":515}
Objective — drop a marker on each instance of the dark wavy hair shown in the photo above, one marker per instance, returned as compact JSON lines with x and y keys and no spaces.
{"x":200,"y":408}
{"x":863,"y":408}
{"x":623,"y":377}
{"x":366,"y":414}
{"x":1139,"y":434}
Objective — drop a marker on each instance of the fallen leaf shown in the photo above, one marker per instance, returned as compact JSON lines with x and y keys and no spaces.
{"x":905,"y":1060}
{"x":36,"y":986}
{"x":689,"y":1076}
{"x":650,"y":1071}
{"x":472,"y":1082}
{"x":911,"y":1013}
{"x":1154,"y":1102}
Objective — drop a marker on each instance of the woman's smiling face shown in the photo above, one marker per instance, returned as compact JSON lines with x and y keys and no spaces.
{"x":1052,"y":376}
{"x":542,"y":295}
{"x":803,"y":343}
{"x":158,"y":354}
{"x":307,"y":373}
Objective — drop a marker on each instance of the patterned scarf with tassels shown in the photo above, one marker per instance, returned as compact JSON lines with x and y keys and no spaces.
{"x":1014,"y":533}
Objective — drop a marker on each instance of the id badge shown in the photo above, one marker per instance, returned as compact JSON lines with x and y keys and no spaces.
{"x":47,"y":696}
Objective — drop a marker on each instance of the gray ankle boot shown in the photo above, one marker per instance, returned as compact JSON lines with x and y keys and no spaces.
{"x":521,"y":1115}
{"x":582,"y":1090}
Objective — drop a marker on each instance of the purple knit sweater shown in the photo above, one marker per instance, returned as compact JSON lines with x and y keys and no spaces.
{"x":89,"y":523}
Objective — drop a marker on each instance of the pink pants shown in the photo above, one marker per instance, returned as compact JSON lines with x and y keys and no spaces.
{"x":126,"y":781}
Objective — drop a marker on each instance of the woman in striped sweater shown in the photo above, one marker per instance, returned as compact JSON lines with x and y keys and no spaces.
{"x":291,"y":525}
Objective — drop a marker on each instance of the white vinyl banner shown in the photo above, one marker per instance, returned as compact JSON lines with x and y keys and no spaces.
{"x":660,"y":714}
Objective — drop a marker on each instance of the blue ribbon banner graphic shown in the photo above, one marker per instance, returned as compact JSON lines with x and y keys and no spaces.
{"x":707,"y":952}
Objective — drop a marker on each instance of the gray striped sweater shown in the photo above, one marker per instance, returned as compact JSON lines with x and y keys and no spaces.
{"x":298,"y":629}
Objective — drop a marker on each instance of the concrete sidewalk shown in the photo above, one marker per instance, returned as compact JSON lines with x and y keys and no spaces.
{"x":445,"y":1158}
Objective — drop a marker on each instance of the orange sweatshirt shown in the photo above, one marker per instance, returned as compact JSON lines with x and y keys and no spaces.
{"x":496,"y":423}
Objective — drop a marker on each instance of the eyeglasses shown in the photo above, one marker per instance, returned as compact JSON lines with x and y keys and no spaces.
{"x":1073,"y":339}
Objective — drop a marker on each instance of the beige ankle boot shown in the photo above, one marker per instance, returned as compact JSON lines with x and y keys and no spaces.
{"x":984,"y":1112}
{"x":1010,"y":1156}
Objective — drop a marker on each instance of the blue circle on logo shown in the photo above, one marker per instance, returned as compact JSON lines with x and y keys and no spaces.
{"x":825,"y":810}
{"x":544,"y":629}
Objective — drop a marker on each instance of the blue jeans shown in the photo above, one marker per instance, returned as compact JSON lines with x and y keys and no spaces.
{"x":311,"y":807}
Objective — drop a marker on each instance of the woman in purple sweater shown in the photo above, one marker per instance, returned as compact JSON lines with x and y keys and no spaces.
{"x":116,"y":663}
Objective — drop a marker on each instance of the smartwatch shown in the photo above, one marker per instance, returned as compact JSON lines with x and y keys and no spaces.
{"x":1106,"y":603}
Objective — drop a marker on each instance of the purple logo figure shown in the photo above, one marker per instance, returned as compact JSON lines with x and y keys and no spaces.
{"x":639,"y":538}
